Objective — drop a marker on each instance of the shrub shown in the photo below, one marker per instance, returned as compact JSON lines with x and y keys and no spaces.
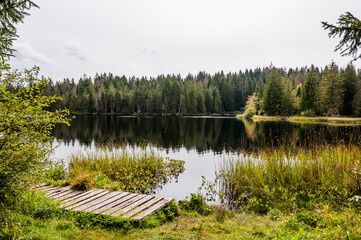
{"x":82,"y":182}
{"x":196,"y":203}
{"x":249,"y":113}
{"x":308,"y":113}
{"x":25,"y":127}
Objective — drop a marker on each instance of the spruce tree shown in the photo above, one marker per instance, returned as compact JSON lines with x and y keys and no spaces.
{"x":273,"y":94}
{"x":349,"y":86}
{"x":330,"y":91}
{"x":309,"y":92}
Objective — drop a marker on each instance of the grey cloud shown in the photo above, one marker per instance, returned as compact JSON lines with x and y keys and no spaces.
{"x":25,"y":52}
{"x":148,"y":51}
{"x":74,"y":49}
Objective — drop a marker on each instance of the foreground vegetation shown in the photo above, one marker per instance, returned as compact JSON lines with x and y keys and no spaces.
{"x":290,"y":178}
{"x":116,"y":167}
{"x":37,"y":217}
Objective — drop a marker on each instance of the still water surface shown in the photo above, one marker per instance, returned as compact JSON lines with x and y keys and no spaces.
{"x":202,"y":142}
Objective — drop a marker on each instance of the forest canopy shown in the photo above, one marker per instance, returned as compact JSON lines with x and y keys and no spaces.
{"x":280,"y":91}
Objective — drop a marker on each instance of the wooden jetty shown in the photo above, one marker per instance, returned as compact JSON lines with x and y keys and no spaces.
{"x":101,"y":201}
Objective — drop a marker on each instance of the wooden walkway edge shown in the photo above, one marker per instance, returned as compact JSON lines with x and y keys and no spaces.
{"x":100,"y":201}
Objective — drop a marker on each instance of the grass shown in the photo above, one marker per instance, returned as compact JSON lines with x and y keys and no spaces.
{"x":36,"y":217}
{"x":341,"y":121}
{"x":292,"y":178}
{"x":118,"y":168}
{"x":328,"y":120}
{"x":293,"y":192}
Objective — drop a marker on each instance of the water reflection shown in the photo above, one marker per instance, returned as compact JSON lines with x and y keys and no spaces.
{"x":202,"y":134}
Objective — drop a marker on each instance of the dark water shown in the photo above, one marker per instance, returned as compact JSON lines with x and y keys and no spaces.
{"x":202,"y":142}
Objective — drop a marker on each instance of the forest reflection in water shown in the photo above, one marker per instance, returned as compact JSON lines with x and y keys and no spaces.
{"x":203,"y":134}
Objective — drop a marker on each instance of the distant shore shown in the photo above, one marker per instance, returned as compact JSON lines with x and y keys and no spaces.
{"x":299,"y":119}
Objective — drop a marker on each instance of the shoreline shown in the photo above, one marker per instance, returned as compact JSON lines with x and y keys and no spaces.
{"x":339,"y":121}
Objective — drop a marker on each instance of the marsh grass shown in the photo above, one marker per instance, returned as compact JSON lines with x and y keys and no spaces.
{"x":293,"y":177}
{"x":120,"y":167}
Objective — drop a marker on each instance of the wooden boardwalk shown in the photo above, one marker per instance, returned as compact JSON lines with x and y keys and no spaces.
{"x":100,"y":201}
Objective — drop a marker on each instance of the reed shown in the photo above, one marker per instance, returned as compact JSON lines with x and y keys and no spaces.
{"x":292,"y":177}
{"x":126,"y":168}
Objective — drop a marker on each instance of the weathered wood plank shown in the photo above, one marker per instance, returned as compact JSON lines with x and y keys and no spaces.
{"x":55,"y":194}
{"x":119,"y":201}
{"x":38,"y":185}
{"x":153,"y":208}
{"x":78,"y":204}
{"x":142,"y":207}
{"x":105,"y":203}
{"x":123,"y":205}
{"x":133,"y":205}
{"x":77,"y":196}
{"x":67,"y":195}
{"x":97,"y":201}
{"x":78,"y":199}
{"x":48,"y":188}
{"x":57,"y":191}
{"x":101,"y":201}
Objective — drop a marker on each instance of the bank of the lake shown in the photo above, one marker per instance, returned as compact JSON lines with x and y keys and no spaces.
{"x":341,"y":121}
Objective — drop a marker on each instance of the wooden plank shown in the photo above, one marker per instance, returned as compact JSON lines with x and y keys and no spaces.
{"x":67,"y":195}
{"x":58,"y":191}
{"x":97,"y":201}
{"x":47,"y":188}
{"x":44,"y":187}
{"x":54,"y":194}
{"x":79,"y":199}
{"x":105,"y":203}
{"x":123,"y":205}
{"x":117,"y":202}
{"x":133,"y":205}
{"x":100,"y":201}
{"x":153,"y":208}
{"x":52,"y":191}
{"x":78,"y":204}
{"x":58,"y":194}
{"x":142,"y":207}
{"x":38,"y":185}
{"x":78,"y":196}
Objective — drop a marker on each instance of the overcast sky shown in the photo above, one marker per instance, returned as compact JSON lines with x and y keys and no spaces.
{"x":69,"y":38}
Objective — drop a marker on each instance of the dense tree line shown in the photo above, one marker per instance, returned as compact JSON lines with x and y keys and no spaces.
{"x":279,"y":91}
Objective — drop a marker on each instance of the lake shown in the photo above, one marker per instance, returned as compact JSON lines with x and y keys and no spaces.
{"x":202,"y":142}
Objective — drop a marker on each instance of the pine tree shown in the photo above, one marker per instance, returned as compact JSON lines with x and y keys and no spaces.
{"x":273,"y":94}
{"x":309,"y":92}
{"x":330,"y":91}
{"x":349,"y":86}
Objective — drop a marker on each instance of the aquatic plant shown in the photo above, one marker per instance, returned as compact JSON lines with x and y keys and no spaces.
{"x":126,"y":168}
{"x":291,"y":178}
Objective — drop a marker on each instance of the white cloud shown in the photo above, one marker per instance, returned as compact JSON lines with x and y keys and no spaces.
{"x":25,"y":52}
{"x":74,"y":49}
{"x":148,"y":51}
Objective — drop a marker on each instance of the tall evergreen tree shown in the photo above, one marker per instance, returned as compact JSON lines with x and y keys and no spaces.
{"x":309,"y":92}
{"x":273,"y":94}
{"x":330,"y":91}
{"x":349,"y":86}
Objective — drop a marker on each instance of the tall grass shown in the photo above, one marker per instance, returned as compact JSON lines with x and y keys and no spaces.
{"x":293,"y":177}
{"x":124,"y":168}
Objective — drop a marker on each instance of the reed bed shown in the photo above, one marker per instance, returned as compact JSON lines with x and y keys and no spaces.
{"x":292,"y":177}
{"x":126,"y":168}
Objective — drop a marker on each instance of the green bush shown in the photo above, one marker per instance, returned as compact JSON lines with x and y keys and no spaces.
{"x":249,"y":113}
{"x":308,"y":113}
{"x":196,"y":203}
